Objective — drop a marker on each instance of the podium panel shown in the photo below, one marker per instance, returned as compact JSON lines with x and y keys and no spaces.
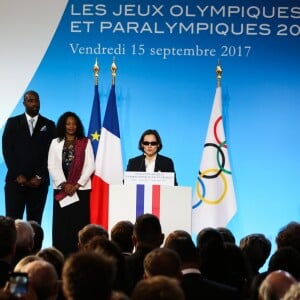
{"x":171,"y":204}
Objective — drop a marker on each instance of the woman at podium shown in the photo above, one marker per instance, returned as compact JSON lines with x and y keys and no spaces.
{"x":151,"y":161}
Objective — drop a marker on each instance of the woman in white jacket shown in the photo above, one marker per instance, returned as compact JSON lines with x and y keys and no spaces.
{"x":71,"y":165}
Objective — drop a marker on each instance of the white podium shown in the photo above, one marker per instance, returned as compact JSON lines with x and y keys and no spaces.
{"x":171,"y":204}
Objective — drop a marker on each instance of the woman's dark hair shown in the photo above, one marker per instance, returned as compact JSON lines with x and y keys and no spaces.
{"x":147,"y":132}
{"x":61,"y":125}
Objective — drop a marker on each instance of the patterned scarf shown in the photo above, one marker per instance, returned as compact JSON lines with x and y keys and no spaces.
{"x":76,"y":165}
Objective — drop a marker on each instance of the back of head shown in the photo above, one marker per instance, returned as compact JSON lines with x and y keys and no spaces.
{"x":88,"y":232}
{"x":227,"y":235}
{"x":176,"y":233}
{"x":24,"y":261}
{"x":53,"y":256}
{"x":43,"y":279}
{"x":147,"y":231}
{"x":257,"y":249}
{"x":108,"y":248}
{"x":25,"y":234}
{"x":210,"y":245}
{"x":8,"y":237}
{"x":289,"y":235}
{"x":118,"y":295}
{"x":185,"y":248}
{"x":275,"y":285}
{"x":121,"y":234}
{"x":287,"y":259}
{"x":162,"y":261}
{"x":88,"y":275}
{"x":293,"y":293}
{"x":159,"y":288}
{"x":211,"y":249}
{"x":105,"y":246}
{"x":209,"y":238}
{"x":25,"y":239}
{"x":38,"y":236}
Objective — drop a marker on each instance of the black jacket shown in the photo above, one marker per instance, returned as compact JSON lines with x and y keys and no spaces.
{"x":25,"y":154}
{"x":162,"y":164}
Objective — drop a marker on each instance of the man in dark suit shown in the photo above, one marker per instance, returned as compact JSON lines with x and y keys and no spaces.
{"x":193,"y":283}
{"x":25,"y":145}
{"x":147,"y":235}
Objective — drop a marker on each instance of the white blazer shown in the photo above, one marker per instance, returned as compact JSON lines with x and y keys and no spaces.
{"x":55,"y":165}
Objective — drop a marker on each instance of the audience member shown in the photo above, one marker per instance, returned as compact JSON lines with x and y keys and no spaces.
{"x":293,"y":293}
{"x":88,"y":232}
{"x":238,"y":268}
{"x":275,"y":285}
{"x":289,"y":235}
{"x":38,"y":236}
{"x":194,"y":284}
{"x":159,"y":288}
{"x":43,"y":279}
{"x":88,"y":275}
{"x":106,"y":247}
{"x":147,"y":235}
{"x":24,"y":261}
{"x":227,"y":235}
{"x":255,"y":284}
{"x":8,"y":238}
{"x":25,"y":239}
{"x":162,"y":261}
{"x":286,"y":259}
{"x":121,"y":233}
{"x":211,"y":247}
{"x":176,"y":233}
{"x":118,"y":295}
{"x":56,"y":258}
{"x":257,"y":248}
{"x":53,"y":256}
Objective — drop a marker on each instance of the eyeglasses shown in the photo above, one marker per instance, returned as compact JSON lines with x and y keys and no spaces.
{"x":149,"y":143}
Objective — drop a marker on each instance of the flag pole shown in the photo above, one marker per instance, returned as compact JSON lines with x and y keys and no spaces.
{"x":113,"y":69}
{"x":96,"y":70}
{"x":219,"y":72}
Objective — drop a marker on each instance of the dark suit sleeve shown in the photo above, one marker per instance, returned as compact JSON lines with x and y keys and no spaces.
{"x":129,"y":165}
{"x":25,"y":154}
{"x":8,"y":147}
{"x":165,"y":164}
{"x":136,"y":164}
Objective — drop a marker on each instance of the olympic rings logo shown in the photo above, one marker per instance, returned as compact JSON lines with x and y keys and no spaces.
{"x":213,"y":173}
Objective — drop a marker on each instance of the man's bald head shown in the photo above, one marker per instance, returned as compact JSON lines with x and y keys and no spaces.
{"x":43,"y":278}
{"x":275,"y":285}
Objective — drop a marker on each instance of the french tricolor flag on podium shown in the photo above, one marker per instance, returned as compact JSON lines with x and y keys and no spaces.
{"x":147,"y":199}
{"x":171,"y":204}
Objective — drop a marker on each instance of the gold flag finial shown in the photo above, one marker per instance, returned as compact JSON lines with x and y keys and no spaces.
{"x":113,"y":69}
{"x":96,"y":70}
{"x":219,"y":72}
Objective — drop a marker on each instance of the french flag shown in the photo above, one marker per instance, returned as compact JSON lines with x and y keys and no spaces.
{"x":109,"y":163}
{"x":171,"y":204}
{"x":148,"y":199}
